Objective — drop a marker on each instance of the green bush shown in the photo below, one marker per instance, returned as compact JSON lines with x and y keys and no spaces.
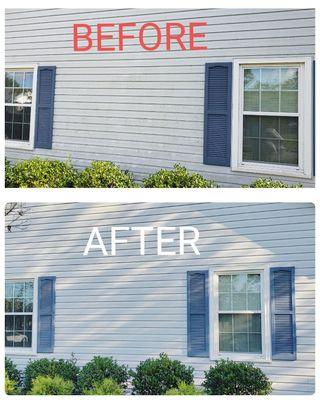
{"x":184,"y":389}
{"x":98,"y":369}
{"x":47,"y":385}
{"x":179,"y":177}
{"x":236,"y":378}
{"x":10,"y":385}
{"x":41,"y":173}
{"x":104,"y":174}
{"x":270,"y":183}
{"x":8,"y":174}
{"x":65,"y":369}
{"x":155,"y":376}
{"x":12,"y":371}
{"x":105,"y":387}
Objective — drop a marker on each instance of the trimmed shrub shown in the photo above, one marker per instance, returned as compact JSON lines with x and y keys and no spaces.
{"x":155,"y":376}
{"x":104,"y":174}
{"x":99,"y":368}
{"x":47,"y":385}
{"x":184,"y":389}
{"x":270,"y":183}
{"x":12,"y":371}
{"x":41,"y":173}
{"x":179,"y":177}
{"x":8,"y":174}
{"x":65,"y":369}
{"x":10,"y":386}
{"x":236,"y":378}
{"x":105,"y":387}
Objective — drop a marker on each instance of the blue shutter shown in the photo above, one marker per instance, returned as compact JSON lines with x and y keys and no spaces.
{"x":314,"y":118}
{"x":46,"y":311}
{"x":217,"y":114}
{"x":44,"y":108}
{"x":283,"y":324}
{"x":198,"y":314}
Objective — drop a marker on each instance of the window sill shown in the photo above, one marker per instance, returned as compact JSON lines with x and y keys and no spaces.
{"x":13,"y":144}
{"x":20,"y":352}
{"x":266,"y":169}
{"x":241,"y":357}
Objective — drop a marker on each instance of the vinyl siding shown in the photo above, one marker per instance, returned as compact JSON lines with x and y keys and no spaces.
{"x":133,"y":307}
{"x":144,"y":110}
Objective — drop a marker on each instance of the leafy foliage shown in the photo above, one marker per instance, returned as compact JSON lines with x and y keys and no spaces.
{"x":270,"y":183}
{"x":65,"y":369}
{"x":47,"y":385}
{"x":41,"y":173}
{"x":99,"y":368}
{"x":179,"y":177}
{"x":10,"y":385}
{"x":12,"y":371}
{"x":184,"y":389}
{"x":8,"y":174}
{"x":236,"y":378}
{"x":155,"y":376}
{"x":104,"y":174}
{"x":105,"y":387}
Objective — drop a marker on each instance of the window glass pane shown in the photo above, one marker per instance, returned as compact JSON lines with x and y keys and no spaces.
{"x":28,"y":322}
{"x":289,"y":128}
{"x":225,"y":301}
{"x":18,"y":79}
{"x":9,"y":289}
{"x":254,"y":323}
{"x":8,"y":96}
{"x":19,"y":323}
{"x":18,"y":338}
{"x":270,"y":150}
{"x":289,"y":78}
{"x":8,"y":131}
{"x":251,"y":149}
{"x":255,"y":343}
{"x":239,"y":301}
{"x":254,"y":301}
{"x":9,"y":113}
{"x":251,"y":126}
{"x":253,"y":282}
{"x":240,"y":322}
{"x":27,"y":96}
{"x":251,"y":101}
{"x":289,"y":102}
{"x":29,"y":289}
{"x":289,"y":152}
{"x":9,"y":339}
{"x":241,"y":343}
{"x":19,"y":290}
{"x":9,"y":305}
{"x":18,"y":114}
{"x":225,"y":323}
{"x":9,"y":323}
{"x":225,"y":342}
{"x":26,"y":114}
{"x":17,"y":131}
{"x":252,"y":79}
{"x":239,"y":283}
{"x":270,"y":79}
{"x":224,"y":283}
{"x":9,"y":79}
{"x":18,"y":96}
{"x":270,"y":101}
{"x":28,"y":80}
{"x":28,"y":305}
{"x":18,"y":305}
{"x":27,"y":339}
{"x":270,"y":128}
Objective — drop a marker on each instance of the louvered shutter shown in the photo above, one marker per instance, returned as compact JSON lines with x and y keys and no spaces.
{"x":46,"y":77}
{"x":283,"y":313}
{"x":46,"y":312}
{"x":198,"y":314}
{"x":217,"y":114}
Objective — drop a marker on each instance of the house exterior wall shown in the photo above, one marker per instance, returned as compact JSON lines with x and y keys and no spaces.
{"x":133,"y":307}
{"x":145,"y":110}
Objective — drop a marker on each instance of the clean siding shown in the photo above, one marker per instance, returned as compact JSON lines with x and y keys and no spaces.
{"x":133,"y":307}
{"x":144,"y":110}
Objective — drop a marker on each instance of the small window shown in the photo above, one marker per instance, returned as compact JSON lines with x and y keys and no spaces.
{"x":19,"y":98}
{"x":272,"y":117}
{"x":18,"y":314}
{"x":240,"y":313}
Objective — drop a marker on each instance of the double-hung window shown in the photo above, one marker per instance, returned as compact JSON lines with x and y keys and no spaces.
{"x":238,"y":318}
{"x":19,"y":106}
{"x":272,"y":129}
{"x":19,"y":311}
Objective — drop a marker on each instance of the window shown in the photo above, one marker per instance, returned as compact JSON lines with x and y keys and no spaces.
{"x":19,"y":100}
{"x":19,"y":314}
{"x":238,"y":315}
{"x":272,"y":127}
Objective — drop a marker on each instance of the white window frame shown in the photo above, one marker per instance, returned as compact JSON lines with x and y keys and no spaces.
{"x":33,"y":349}
{"x":305,"y":134}
{"x":16,"y":144}
{"x":265,"y":355}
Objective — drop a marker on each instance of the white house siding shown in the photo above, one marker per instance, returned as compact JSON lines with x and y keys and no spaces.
{"x":144,"y":110}
{"x":133,"y":307}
